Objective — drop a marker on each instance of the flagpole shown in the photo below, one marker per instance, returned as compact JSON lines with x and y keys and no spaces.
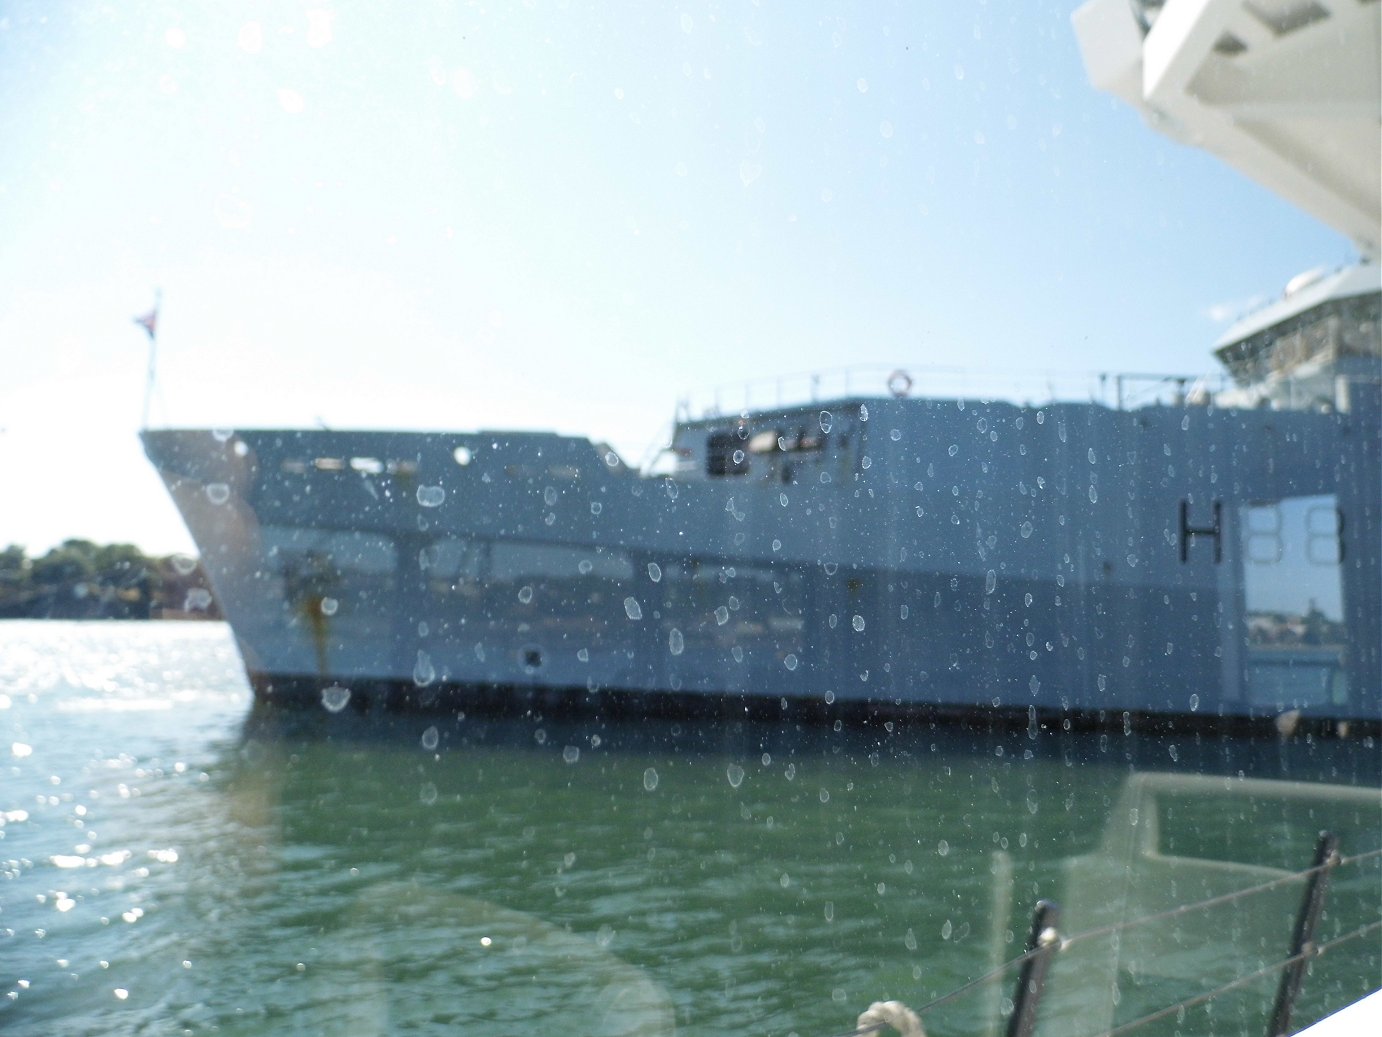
{"x":150,"y":325}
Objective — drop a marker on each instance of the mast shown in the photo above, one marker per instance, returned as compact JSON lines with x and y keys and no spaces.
{"x":149,"y":322}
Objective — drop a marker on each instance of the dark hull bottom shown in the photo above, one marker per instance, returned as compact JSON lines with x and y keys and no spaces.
{"x":370,"y":696}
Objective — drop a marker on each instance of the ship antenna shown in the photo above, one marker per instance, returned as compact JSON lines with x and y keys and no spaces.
{"x":149,"y":322}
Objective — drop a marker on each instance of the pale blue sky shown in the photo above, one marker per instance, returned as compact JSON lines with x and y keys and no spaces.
{"x":566,"y":215}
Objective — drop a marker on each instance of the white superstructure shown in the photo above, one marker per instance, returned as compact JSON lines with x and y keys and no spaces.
{"x":1288,"y":92}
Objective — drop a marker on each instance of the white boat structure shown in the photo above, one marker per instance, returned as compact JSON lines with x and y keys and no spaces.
{"x":1199,"y":559}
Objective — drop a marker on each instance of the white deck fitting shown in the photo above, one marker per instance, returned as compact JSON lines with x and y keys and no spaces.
{"x":1288,"y":92}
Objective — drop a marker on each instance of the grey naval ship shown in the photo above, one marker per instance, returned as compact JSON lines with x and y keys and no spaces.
{"x":1199,"y":559}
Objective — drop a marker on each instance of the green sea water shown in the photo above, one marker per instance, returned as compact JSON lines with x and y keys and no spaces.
{"x":174,"y":860}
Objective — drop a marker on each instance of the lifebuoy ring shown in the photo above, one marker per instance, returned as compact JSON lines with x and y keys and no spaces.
{"x":899,"y":383}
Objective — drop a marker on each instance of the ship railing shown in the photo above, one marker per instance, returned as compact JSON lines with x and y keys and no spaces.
{"x":1046,"y":944}
{"x":1117,"y":390}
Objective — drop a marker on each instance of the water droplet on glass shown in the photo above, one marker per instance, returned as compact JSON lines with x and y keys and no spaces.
{"x":831,"y":568}
{"x":863,"y":412}
{"x":430,"y":737}
{"x":827,"y":421}
{"x":953,"y":450}
{"x":895,"y":434}
{"x":943,"y":848}
{"x":1093,"y":495}
{"x":549,"y":495}
{"x":423,"y":671}
{"x":222,"y":434}
{"x":722,"y":615}
{"x":632,"y":608}
{"x":525,"y":594}
{"x":585,"y":565}
{"x":946,"y":930}
{"x":217,"y":492}
{"x":654,"y":572}
{"x":858,"y":622}
{"x":335,"y":697}
{"x":1194,"y":703}
{"x":571,"y":753}
{"x":735,"y":774}
{"x":329,"y":606}
{"x":990,"y":581}
{"x":1025,"y":529}
{"x":430,"y":496}
{"x":596,"y":507}
{"x":427,"y":794}
{"x":583,"y":655}
{"x":790,"y":662}
{"x":650,"y":779}
{"x":676,"y":644}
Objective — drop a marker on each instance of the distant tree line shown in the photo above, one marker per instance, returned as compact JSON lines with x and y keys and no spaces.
{"x":79,"y":579}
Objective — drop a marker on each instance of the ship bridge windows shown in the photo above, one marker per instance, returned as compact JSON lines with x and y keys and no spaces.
{"x":361,"y":465}
{"x":773,"y":452}
{"x":725,"y":455}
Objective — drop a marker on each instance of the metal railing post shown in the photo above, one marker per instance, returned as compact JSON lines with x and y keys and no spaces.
{"x":1303,"y":939}
{"x":1044,"y":941}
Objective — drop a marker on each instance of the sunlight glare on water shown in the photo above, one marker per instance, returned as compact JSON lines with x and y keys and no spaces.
{"x":242,"y":870}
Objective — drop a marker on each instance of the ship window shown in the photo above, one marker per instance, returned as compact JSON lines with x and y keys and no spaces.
{"x":765,"y":442}
{"x":725,"y":454}
{"x":1296,"y":643}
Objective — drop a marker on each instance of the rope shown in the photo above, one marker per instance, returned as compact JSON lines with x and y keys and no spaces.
{"x":1223,"y":898}
{"x":1365,"y":855}
{"x":1199,"y":999}
{"x":863,"y":1028}
{"x":894,"y":1014}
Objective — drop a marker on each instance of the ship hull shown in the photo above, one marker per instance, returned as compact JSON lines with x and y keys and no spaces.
{"x":1068,"y":565}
